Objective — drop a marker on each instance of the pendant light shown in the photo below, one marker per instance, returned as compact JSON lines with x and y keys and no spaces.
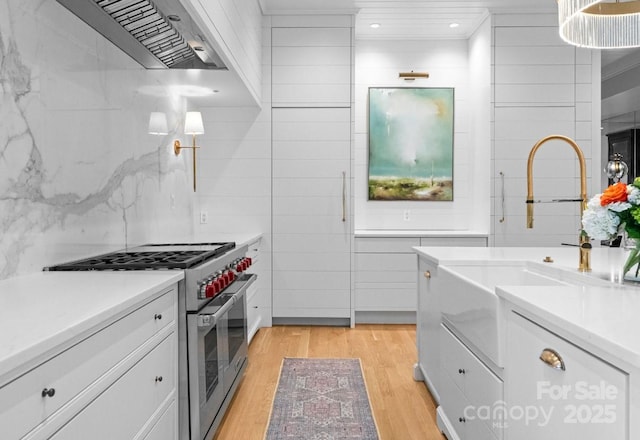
{"x":600,"y":24}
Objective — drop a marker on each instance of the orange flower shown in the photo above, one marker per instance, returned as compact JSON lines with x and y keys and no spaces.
{"x":615,"y":193}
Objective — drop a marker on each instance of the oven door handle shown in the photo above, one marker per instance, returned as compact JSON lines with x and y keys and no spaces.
{"x":211,"y":319}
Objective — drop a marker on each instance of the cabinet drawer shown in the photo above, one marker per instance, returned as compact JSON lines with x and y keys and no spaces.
{"x":384,"y":299}
{"x":386,"y":245}
{"x":167,"y":427}
{"x":390,"y":263}
{"x":454,"y":241}
{"x":453,"y":357}
{"x":462,"y":415}
{"x":481,"y":388}
{"x":22,"y":405}
{"x":588,"y":399}
{"x":124,"y":408}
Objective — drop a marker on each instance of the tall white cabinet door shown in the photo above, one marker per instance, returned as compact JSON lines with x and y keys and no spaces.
{"x":311,"y":216}
{"x":311,"y":66}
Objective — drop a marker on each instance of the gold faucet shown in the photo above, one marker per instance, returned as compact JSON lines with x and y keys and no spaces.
{"x":584,"y":264}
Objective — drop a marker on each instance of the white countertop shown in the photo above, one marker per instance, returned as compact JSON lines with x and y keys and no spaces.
{"x":602,"y":316}
{"x":45,"y":312}
{"x":605,"y":261}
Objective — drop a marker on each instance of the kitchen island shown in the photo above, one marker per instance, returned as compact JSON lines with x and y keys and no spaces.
{"x":79,"y":350}
{"x":541,"y":348}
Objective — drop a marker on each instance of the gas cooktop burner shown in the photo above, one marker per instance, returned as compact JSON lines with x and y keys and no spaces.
{"x":150,"y":256}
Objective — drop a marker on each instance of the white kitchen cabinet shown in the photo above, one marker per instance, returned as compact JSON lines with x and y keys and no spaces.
{"x":122,"y":409}
{"x":585,"y":397}
{"x":311,"y":66}
{"x":165,"y":428}
{"x":470,"y":391}
{"x":258,"y":300}
{"x":312,"y":232}
{"x":385,"y":281}
{"x":480,"y":241}
{"x":111,"y":371}
{"x":428,"y":328}
{"x":311,"y":235}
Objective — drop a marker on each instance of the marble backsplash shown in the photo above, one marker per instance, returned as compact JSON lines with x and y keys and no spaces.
{"x":79,"y":174}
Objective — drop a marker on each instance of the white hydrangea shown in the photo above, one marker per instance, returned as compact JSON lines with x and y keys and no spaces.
{"x":598,"y":222}
{"x":633,"y":195}
{"x":618,"y":206}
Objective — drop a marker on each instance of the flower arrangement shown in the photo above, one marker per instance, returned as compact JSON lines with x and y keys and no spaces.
{"x":614,"y":211}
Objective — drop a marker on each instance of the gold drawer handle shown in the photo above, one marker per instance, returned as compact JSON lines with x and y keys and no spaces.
{"x":552,"y":358}
{"x":427,"y":274}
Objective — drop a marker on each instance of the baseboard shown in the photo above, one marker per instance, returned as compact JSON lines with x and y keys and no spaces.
{"x":445,"y":426}
{"x":382,"y":317}
{"x":334,"y":322}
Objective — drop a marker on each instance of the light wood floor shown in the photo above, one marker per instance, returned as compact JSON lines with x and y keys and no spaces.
{"x":403,"y":408}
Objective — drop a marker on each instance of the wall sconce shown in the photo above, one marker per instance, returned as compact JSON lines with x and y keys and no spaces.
{"x":616,"y":168}
{"x":158,"y":123}
{"x":411,"y":76}
{"x":193,"y":126}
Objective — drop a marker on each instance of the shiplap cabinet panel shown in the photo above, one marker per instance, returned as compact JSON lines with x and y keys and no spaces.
{"x":311,"y":241}
{"x":385,"y":274}
{"x":542,"y":86}
{"x":311,"y":67}
{"x":311,"y":37}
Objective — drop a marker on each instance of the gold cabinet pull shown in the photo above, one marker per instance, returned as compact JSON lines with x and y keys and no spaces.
{"x":427,"y":274}
{"x":552,"y":359}
{"x":502,"y":196}
{"x":344,"y":196}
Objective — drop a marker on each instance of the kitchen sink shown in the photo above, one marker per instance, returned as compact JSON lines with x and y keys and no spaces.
{"x":471,"y":308}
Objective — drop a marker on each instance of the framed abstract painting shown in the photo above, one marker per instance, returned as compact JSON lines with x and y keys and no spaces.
{"x":411,"y":143}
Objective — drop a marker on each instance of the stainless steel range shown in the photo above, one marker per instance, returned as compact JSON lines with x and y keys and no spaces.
{"x":212,"y":321}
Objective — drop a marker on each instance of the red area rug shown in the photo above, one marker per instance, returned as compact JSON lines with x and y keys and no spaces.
{"x":321,"y":399}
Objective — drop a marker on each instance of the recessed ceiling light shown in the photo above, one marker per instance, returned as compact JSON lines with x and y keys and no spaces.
{"x":374,"y":25}
{"x":454,"y":25}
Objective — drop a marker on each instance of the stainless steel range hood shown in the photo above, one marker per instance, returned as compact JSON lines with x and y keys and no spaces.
{"x":158,"y":34}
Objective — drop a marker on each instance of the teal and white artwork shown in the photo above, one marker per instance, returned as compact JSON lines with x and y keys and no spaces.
{"x":411,"y":143}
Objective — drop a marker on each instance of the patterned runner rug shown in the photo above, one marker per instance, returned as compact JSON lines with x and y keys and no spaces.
{"x":321,"y":399}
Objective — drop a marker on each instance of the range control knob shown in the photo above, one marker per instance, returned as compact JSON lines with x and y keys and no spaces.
{"x":210,"y":291}
{"x":202,"y":290}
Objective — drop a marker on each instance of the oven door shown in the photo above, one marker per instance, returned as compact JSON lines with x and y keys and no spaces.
{"x":207,"y":352}
{"x":217,"y":350}
{"x":236,"y":329}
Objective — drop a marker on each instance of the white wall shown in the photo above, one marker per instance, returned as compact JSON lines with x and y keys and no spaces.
{"x":79,"y":174}
{"x":377,"y":64}
{"x":541,"y":86}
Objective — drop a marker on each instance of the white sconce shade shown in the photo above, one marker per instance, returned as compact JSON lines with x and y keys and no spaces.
{"x":193,"y":126}
{"x":158,"y":123}
{"x":193,"y":123}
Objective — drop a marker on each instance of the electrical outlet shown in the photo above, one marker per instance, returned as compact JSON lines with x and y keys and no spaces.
{"x":204,"y":217}
{"x":407,"y":215}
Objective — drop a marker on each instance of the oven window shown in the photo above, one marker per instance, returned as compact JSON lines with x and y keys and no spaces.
{"x":211,"y":360}
{"x":236,"y":328}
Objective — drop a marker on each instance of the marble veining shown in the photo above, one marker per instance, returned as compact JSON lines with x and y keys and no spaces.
{"x":78,"y":172}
